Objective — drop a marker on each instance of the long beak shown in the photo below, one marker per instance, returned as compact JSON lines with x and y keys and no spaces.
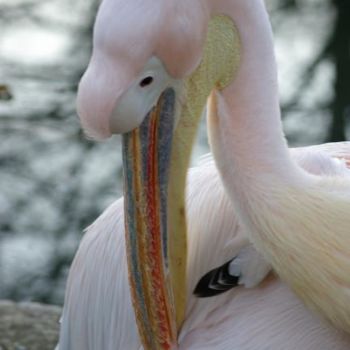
{"x":147,"y":152}
{"x":156,"y":158}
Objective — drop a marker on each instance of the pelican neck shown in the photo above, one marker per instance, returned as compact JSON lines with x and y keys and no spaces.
{"x":248,"y":109}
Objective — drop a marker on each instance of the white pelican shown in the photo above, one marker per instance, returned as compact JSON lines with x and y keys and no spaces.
{"x":98,"y":313}
{"x":151,"y":53}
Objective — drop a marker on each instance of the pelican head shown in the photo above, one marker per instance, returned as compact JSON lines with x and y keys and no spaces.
{"x":140,"y":48}
{"x":154,"y":63}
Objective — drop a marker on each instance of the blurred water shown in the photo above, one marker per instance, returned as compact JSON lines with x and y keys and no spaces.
{"x":48,"y":177}
{"x":54,"y":182}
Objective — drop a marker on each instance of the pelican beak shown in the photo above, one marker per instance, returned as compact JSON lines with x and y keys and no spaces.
{"x":146,"y":160}
{"x":156,"y":157}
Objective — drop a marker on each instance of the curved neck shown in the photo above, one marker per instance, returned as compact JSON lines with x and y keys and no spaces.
{"x":249,"y":124}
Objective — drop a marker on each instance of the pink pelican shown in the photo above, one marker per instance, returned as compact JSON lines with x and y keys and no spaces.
{"x":161,"y":53}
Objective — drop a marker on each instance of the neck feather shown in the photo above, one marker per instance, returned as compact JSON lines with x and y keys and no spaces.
{"x":248,"y":131}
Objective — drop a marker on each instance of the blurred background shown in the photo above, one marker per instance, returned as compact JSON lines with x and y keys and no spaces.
{"x":54,"y":182}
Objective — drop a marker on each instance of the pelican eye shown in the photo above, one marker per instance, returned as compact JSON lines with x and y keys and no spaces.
{"x":146,"y":81}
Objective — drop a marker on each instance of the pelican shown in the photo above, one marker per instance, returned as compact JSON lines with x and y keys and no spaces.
{"x":153,"y":66}
{"x":98,"y":312}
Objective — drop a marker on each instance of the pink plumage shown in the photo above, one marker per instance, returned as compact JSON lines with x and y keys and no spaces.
{"x":98,"y":313}
{"x":253,"y":159}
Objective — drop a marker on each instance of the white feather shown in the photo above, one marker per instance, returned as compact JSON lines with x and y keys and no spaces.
{"x":98,"y":312}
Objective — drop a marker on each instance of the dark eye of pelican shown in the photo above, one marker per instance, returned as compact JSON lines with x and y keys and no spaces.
{"x":146,"y":81}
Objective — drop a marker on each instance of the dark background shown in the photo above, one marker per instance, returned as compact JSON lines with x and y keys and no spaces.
{"x":53,"y":182}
